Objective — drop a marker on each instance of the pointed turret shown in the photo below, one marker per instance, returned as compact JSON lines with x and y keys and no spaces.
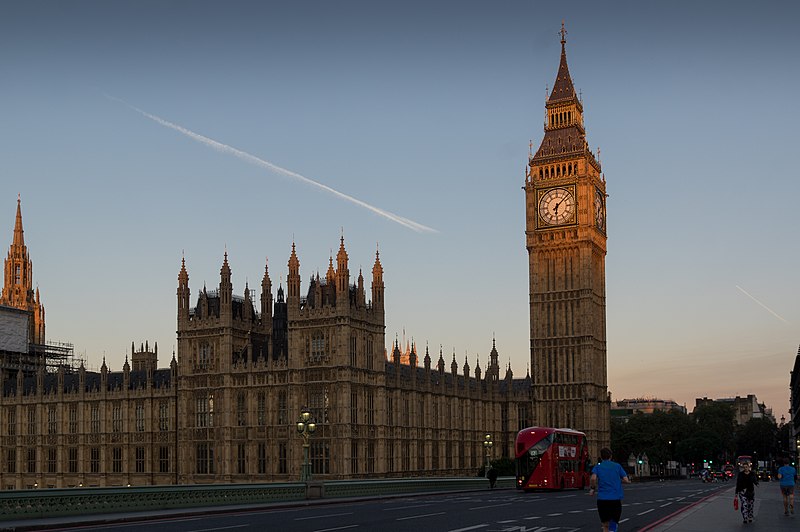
{"x":342,"y":272}
{"x":293,"y":281}
{"x":19,"y":234}
{"x":396,"y":355}
{"x":266,"y":295}
{"x":183,"y":292}
{"x":377,"y":284}
{"x":18,"y":290}
{"x":225,"y":286}
{"x":247,"y":312}
{"x":330,"y":275}
{"x":494,"y":363}
{"x":361,"y":297}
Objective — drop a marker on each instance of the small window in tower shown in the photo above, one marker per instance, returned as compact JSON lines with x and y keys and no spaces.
{"x":16,"y":274}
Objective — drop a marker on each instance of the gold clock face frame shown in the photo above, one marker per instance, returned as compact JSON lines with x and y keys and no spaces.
{"x":557,"y":206}
{"x":599,"y":210}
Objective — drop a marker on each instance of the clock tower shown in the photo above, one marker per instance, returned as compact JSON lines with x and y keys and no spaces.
{"x":565,"y":211}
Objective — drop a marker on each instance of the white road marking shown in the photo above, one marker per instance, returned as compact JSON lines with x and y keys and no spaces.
{"x":335,"y":528}
{"x":490,"y":506}
{"x":406,"y":507}
{"x":647,"y":511}
{"x":418,"y":516}
{"x":469,"y":528}
{"x":218,"y":528}
{"x":663,"y":505}
{"x":321,"y":516}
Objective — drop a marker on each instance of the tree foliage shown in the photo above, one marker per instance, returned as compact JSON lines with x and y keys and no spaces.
{"x":709,"y":433}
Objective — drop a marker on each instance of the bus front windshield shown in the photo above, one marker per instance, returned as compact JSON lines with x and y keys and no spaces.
{"x":528,"y":462}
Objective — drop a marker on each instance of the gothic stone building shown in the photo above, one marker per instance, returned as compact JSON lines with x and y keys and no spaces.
{"x":225,"y":409}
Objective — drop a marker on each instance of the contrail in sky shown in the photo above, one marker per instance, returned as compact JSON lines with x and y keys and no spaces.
{"x":224,"y":148}
{"x":762,"y":304}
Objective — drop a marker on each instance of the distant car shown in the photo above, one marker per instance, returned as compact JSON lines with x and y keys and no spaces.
{"x":719,"y":476}
{"x":765,"y":475}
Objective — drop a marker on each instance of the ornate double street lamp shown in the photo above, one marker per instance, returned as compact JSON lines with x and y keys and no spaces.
{"x":305,"y":427}
{"x":487,"y":445}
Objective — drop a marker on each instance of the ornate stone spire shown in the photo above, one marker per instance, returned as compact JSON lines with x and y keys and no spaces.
{"x":19,"y":234}
{"x":563,"y":87}
{"x":18,"y":290}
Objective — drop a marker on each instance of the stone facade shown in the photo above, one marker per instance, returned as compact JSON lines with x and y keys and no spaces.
{"x":82,"y":428}
{"x":225,"y":409}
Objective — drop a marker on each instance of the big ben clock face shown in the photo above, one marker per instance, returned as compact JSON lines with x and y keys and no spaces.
{"x":599,"y":210}
{"x":557,"y":206}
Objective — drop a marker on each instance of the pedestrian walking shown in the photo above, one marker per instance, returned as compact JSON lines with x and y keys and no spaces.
{"x":492,"y":476}
{"x":607,"y":479}
{"x":746,"y":483}
{"x":787,"y":475}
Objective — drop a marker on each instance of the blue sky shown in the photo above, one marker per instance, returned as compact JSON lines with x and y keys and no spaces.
{"x":424,"y":110}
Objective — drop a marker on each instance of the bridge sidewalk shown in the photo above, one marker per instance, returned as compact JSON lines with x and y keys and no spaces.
{"x":717,"y":513}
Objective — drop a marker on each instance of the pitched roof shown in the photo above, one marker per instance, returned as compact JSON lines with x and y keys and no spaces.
{"x":563,"y":88}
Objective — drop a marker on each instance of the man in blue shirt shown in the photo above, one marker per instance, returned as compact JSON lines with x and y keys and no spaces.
{"x":787,"y":474}
{"x":607,"y":479}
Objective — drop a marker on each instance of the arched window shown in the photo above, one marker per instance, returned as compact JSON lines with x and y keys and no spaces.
{"x":204,"y":358}
{"x":317,"y":346}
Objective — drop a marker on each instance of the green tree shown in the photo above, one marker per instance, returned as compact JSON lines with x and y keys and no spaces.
{"x":758,"y":438}
{"x":715,"y":423}
{"x":658,"y":435}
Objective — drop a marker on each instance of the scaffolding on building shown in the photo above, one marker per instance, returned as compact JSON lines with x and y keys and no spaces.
{"x":50,"y":356}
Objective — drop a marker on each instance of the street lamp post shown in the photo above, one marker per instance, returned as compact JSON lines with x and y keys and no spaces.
{"x":487,"y":445}
{"x":305,"y":427}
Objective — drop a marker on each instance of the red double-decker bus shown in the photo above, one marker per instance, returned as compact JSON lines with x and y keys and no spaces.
{"x":548,"y":458}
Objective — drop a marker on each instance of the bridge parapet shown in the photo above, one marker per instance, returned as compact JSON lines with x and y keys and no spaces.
{"x":60,"y":502}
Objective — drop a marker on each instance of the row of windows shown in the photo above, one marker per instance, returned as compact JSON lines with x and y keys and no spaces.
{"x":117,"y":419}
{"x":205,"y":463}
{"x":205,"y":407}
{"x":561,"y":118}
{"x":455,"y":455}
{"x":368,"y":352}
{"x":558,"y":170}
{"x":51,"y":464}
{"x":368,"y":415}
